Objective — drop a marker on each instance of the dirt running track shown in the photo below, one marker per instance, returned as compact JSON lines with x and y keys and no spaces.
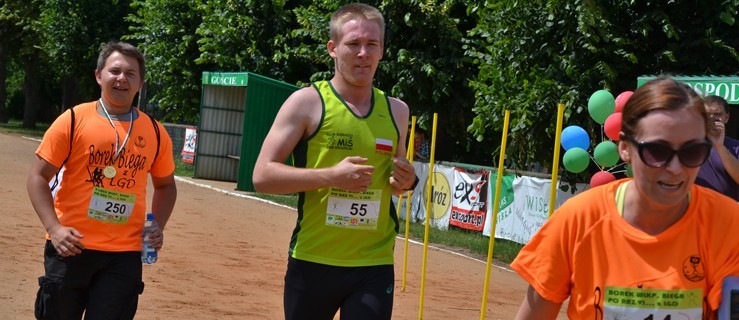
{"x":225,"y":258}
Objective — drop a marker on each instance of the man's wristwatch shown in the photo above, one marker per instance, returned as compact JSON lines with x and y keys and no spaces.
{"x":415,"y":183}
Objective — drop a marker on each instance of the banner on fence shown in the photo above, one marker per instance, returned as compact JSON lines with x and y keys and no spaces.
{"x":441,"y":200}
{"x":469,"y":199}
{"x":523,"y":205}
{"x":526,"y":209}
{"x":188,"y":149}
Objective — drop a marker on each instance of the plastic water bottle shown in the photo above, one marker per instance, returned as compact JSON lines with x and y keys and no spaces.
{"x":148,"y":253}
{"x":729,"y":307}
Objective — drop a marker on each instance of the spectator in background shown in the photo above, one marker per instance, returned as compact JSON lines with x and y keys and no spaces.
{"x":421,"y":150}
{"x":652,"y":247}
{"x":721,"y":171}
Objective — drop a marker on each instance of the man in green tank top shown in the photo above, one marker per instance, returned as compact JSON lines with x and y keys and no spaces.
{"x":347,"y":140}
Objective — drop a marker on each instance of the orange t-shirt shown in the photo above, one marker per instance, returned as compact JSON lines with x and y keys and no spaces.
{"x":109,"y":212}
{"x":611,"y":270}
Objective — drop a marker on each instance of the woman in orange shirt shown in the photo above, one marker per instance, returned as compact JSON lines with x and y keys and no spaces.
{"x":653,"y":247}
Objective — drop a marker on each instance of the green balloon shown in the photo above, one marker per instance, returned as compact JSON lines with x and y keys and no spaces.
{"x":606,"y":154}
{"x":576,"y":160}
{"x":601,"y":105}
{"x":629,"y":171}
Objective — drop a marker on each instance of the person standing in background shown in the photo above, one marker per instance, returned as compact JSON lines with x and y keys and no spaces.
{"x":721,"y":171}
{"x":100,"y":155}
{"x":421,"y":146}
{"x":348,"y":143}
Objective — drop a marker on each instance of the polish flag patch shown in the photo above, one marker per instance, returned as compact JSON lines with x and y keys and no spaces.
{"x":383,"y":145}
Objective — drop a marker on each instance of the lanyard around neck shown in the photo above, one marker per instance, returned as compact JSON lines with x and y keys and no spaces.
{"x":117,"y":138}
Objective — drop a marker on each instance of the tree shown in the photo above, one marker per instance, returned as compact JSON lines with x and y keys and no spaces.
{"x":166,"y":32}
{"x":22,"y":17}
{"x":535,"y":54}
{"x":72,"y":34}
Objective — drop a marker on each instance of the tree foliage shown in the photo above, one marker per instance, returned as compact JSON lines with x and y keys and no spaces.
{"x":165,"y":30}
{"x":72,"y":32}
{"x":533,"y":55}
{"x":467,"y":60}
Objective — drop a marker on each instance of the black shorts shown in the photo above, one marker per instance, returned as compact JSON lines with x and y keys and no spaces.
{"x":318,"y":291}
{"x":103,"y":285}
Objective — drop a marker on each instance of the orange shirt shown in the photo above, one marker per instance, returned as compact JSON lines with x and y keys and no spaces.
{"x":109,"y":212}
{"x":611,"y":270}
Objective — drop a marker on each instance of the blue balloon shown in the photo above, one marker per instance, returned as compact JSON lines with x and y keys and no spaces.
{"x":575,"y":137}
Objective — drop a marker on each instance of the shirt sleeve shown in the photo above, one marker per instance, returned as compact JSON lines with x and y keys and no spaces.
{"x":545,"y":261}
{"x":55,"y":145}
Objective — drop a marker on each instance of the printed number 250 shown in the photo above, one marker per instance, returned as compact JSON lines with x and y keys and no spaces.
{"x":358,"y":209}
{"x":115,"y":208}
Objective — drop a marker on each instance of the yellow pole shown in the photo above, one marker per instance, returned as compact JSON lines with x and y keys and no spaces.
{"x":430,"y":186}
{"x":496,"y":202}
{"x":555,"y":161}
{"x":411,"y":147}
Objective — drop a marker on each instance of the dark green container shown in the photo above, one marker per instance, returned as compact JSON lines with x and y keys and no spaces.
{"x":226,"y":151}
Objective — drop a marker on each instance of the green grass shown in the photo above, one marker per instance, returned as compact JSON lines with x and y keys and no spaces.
{"x":468,"y":242}
{"x":14,"y":126}
{"x":183,"y":169}
{"x":463,"y":241}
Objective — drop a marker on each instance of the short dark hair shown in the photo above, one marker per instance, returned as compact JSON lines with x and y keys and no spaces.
{"x":717,"y":100}
{"x":125,"y":49}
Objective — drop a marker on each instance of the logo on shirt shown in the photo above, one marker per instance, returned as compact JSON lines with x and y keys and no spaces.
{"x":693,"y":268}
{"x":340,"y":141}
{"x":140,"y":142}
{"x":383,"y":146}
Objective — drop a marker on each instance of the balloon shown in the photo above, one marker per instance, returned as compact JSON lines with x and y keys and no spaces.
{"x":601,"y":178}
{"x":613,"y":126}
{"x":576,"y":160}
{"x":622,"y":99}
{"x":629,"y":171}
{"x":575,"y":137}
{"x":601,"y":105}
{"x":606,"y":154}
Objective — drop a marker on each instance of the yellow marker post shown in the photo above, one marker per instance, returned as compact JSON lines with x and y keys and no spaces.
{"x":555,"y":161}
{"x":496,"y":202}
{"x":430,"y":186}
{"x":410,"y":150}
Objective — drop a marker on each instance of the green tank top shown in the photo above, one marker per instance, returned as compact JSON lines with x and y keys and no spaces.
{"x":338,"y":227}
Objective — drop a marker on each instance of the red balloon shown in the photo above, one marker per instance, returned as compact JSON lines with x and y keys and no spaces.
{"x":601,"y":178}
{"x":612,"y":126}
{"x":621,"y":100}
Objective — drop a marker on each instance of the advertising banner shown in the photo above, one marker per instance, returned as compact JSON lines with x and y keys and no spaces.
{"x":188,"y":149}
{"x":527,"y":209}
{"x":469,"y":199}
{"x":461,"y":199}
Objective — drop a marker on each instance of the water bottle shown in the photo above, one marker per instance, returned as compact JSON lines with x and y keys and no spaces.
{"x":148,"y":253}
{"x":729,"y":307}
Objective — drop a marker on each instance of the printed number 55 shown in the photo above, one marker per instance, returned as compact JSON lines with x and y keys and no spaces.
{"x":360,"y":209}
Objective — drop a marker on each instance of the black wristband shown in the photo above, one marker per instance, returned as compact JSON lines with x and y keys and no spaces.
{"x":415,"y":183}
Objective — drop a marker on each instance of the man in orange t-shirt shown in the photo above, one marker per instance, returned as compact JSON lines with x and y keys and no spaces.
{"x":98,"y":156}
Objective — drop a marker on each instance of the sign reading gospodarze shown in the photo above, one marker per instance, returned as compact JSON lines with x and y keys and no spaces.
{"x":225,"y":79}
{"x":726,"y":87}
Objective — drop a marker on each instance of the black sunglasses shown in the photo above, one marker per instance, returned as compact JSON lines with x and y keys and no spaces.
{"x":658,"y":155}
